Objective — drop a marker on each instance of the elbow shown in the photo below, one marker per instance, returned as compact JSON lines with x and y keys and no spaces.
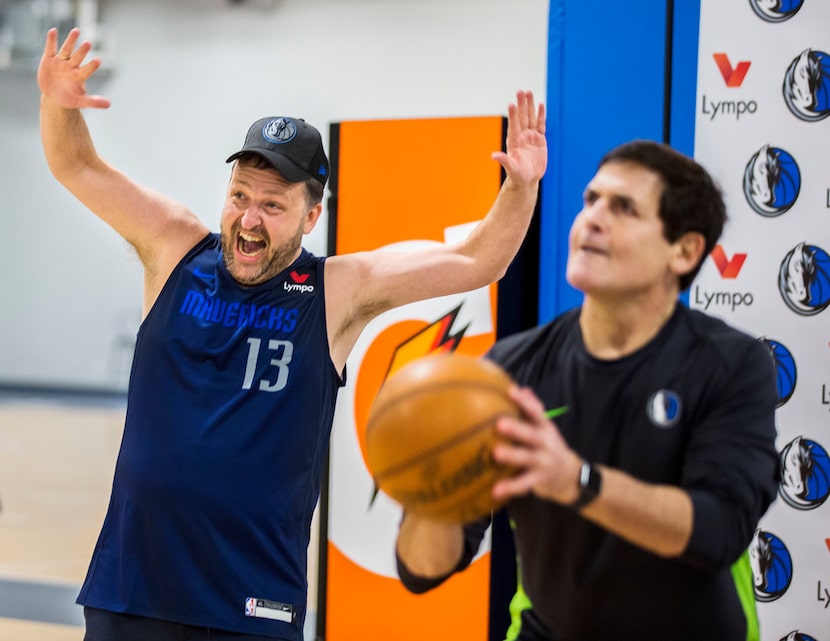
{"x":721,"y":534}
{"x":59,"y":171}
{"x":673,"y":549}
{"x":418,"y":584}
{"x":498,"y":274}
{"x":64,"y":169}
{"x":489,"y":274}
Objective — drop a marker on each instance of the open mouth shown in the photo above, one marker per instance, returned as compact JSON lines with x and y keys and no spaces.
{"x":249,"y":245}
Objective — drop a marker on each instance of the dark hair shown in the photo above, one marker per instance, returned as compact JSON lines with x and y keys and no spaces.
{"x":691,"y":198}
{"x":313,"y":187}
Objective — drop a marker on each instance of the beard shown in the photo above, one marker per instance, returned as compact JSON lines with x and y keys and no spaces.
{"x":281,"y":256}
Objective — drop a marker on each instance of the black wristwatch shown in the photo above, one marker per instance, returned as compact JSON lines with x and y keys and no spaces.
{"x":590,"y":481}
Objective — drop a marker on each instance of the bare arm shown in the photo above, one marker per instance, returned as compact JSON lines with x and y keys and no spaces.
{"x":429,"y":548}
{"x":361,"y":286}
{"x":658,"y":518}
{"x":160,"y":229}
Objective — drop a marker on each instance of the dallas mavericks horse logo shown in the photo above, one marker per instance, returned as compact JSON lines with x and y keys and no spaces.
{"x":805,"y":474}
{"x":664,"y":408}
{"x":772,"y":181}
{"x":807,"y":86}
{"x":279,"y":130}
{"x":772,"y":566}
{"x":804,"y":279}
{"x":786,"y":372}
{"x":776,"y":10}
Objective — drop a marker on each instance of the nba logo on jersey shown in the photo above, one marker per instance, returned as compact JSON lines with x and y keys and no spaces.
{"x":265,"y":609}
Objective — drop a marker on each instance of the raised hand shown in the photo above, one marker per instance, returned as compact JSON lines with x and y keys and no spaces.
{"x":62,"y":74}
{"x":527,"y":152}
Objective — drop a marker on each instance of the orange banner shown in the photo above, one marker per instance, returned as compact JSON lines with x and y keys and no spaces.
{"x":402,"y":184}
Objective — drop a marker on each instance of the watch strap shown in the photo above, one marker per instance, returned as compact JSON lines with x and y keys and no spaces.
{"x":590,"y":481}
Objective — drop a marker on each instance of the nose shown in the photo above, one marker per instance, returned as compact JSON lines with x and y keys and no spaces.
{"x":250,"y":217}
{"x":594,"y":212}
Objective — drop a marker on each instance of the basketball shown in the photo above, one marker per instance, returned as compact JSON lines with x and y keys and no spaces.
{"x":430,"y":433}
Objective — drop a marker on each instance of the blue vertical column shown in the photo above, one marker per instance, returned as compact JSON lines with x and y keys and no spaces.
{"x":613,"y":69}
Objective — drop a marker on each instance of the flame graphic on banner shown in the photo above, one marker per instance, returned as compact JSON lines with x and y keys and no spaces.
{"x":435,"y":338}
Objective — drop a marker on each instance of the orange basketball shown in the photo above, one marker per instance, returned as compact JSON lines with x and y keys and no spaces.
{"x":430,"y":433}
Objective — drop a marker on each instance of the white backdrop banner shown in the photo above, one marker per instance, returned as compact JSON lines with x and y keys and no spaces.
{"x":763,"y":93}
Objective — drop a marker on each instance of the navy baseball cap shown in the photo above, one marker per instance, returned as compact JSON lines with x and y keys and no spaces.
{"x":292,"y":146}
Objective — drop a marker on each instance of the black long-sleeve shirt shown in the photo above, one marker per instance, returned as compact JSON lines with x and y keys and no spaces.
{"x":694,"y":408}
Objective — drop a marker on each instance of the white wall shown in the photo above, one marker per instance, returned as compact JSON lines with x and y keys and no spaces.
{"x":186,"y":80}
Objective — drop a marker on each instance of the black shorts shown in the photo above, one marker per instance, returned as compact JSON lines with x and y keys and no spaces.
{"x":102,"y":625}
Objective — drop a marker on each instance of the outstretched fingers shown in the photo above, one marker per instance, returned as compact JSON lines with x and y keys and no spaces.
{"x":85,"y":71}
{"x":68,"y":47}
{"x":50,"y":48}
{"x":525,"y":158}
{"x":72,"y":52}
{"x":63,"y":73}
{"x":522,"y":119}
{"x":541,"y":125}
{"x":526,"y":115}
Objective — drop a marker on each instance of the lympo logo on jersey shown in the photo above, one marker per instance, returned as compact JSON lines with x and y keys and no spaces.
{"x":775,"y":10}
{"x":297,"y":282}
{"x":807,"y":86}
{"x":772,"y":181}
{"x":772,"y":566}
{"x":733,"y":77}
{"x":804,"y":279}
{"x":805,"y":474}
{"x":786,"y":372}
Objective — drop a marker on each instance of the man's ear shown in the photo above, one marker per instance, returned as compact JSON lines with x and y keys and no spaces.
{"x":312,"y":217}
{"x":688,"y":254}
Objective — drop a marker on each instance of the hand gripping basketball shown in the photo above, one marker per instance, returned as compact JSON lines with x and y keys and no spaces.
{"x":430,"y":434}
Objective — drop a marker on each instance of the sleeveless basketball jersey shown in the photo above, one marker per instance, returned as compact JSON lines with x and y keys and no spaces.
{"x":229,"y":411}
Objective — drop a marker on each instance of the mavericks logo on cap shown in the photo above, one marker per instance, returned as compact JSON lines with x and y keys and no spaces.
{"x":279,"y":130}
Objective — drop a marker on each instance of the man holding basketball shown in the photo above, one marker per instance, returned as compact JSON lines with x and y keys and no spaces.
{"x":633,"y":511}
{"x":239,"y":357}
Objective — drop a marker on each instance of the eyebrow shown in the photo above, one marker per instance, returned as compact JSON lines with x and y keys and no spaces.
{"x":624,"y":199}
{"x":628,"y":201}
{"x":242,"y":182}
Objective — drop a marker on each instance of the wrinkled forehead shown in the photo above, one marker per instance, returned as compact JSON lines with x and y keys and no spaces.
{"x":261,"y":178}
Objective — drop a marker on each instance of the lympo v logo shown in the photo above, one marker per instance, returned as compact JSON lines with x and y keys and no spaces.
{"x":728,"y":267}
{"x":733,"y":77}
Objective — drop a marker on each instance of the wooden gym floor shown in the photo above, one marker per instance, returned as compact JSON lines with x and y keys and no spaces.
{"x":56,"y":464}
{"x":57,"y":457}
